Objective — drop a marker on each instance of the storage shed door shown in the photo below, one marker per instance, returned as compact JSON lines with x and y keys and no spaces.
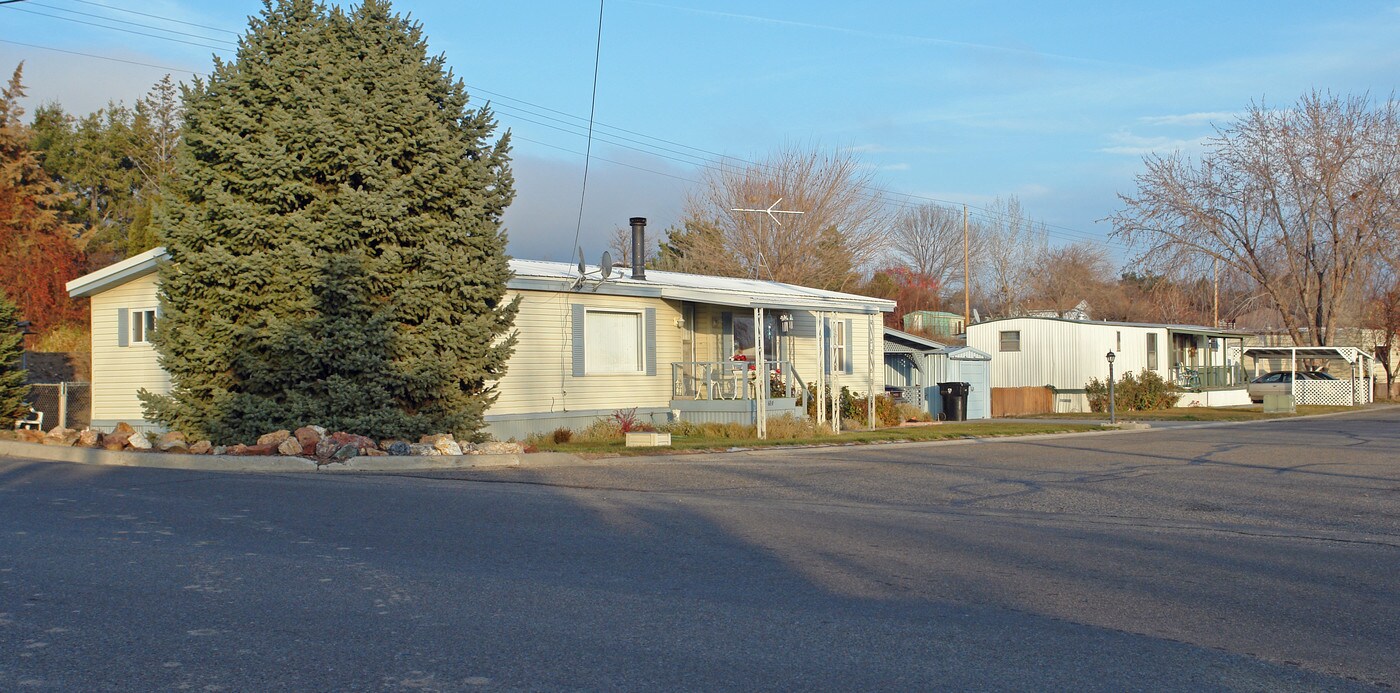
{"x":979,"y":400}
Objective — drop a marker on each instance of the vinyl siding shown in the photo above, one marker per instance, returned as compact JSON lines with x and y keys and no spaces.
{"x":119,"y":372}
{"x":539,"y":376}
{"x":1065,"y":354}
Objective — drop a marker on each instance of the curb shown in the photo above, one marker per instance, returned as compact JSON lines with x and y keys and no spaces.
{"x":276,"y":464}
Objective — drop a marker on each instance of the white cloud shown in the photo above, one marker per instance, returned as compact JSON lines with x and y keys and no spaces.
{"x":1193,"y":119}
{"x":1127,"y":143}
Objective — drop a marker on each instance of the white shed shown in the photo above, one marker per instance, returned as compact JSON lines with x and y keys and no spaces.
{"x":1065,"y":354}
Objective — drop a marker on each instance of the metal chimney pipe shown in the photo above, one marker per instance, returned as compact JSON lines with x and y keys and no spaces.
{"x":639,"y":247}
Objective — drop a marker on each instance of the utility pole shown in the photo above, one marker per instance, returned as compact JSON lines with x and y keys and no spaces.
{"x":1215,"y":278}
{"x":967,"y":278}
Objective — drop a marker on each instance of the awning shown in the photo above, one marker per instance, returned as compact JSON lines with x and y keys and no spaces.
{"x":1351,"y":355}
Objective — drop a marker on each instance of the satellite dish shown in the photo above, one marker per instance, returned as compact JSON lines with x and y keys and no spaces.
{"x":605,"y":265}
{"x":582,"y":266}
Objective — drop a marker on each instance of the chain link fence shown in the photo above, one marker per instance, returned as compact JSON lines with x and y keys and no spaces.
{"x":62,"y":404}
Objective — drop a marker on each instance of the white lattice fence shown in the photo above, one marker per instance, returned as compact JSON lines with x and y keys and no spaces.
{"x":1336,"y":393}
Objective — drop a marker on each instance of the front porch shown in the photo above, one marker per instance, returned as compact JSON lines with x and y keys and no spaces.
{"x":727,"y":391}
{"x":1208,"y":367}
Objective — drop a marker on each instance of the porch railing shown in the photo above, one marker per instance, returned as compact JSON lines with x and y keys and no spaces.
{"x":735,"y":380}
{"x":1211,"y":377}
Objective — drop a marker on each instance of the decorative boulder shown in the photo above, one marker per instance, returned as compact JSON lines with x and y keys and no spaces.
{"x":123,"y":429}
{"x":290,"y":447}
{"x":172,"y":441}
{"x":29,"y":435}
{"x":444,"y":443}
{"x":61,"y":436}
{"x":399,"y":448}
{"x":252,"y":450}
{"x":326,"y":448}
{"x":89,"y":438}
{"x":361,"y":443}
{"x":346,"y":451}
{"x":497,"y":448}
{"x":274,"y":438}
{"x":139,"y":441}
{"x":423,"y":450}
{"x":202,"y":447}
{"x":308,"y":436}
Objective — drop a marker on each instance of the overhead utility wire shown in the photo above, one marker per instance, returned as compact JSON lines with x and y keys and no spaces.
{"x":717,"y":163}
{"x":12,"y":8}
{"x":588,"y":153}
{"x":155,"y":16}
{"x":123,"y":21}
{"x":105,"y":57}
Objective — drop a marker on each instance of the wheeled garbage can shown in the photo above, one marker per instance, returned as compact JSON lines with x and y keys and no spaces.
{"x":954,"y":400}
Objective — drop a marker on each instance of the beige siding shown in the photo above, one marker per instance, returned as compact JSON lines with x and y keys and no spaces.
{"x":119,"y":372}
{"x":539,"y":376}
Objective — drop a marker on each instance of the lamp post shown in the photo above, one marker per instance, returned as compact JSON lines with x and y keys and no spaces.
{"x":1112,"y":408}
{"x":24,"y":333}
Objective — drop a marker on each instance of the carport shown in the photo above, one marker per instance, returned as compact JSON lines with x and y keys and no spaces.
{"x":1358,"y":389}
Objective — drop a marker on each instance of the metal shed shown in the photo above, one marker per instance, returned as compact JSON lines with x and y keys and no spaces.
{"x":914,"y":366}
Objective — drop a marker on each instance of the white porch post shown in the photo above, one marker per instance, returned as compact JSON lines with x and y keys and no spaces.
{"x":760,"y":384}
{"x":836,"y":369}
{"x":1293,"y":374}
{"x":820,"y":405}
{"x":870,"y":371}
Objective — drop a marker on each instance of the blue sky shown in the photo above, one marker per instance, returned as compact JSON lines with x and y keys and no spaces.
{"x":954,"y":102}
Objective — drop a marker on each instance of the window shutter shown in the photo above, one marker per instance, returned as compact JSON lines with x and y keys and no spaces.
{"x":727,"y":341}
{"x":826,"y":339}
{"x":123,"y":328}
{"x":849,"y":353}
{"x":650,"y":327}
{"x":578,"y":339}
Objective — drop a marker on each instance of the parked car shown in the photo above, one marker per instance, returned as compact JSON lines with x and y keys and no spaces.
{"x":1280,"y":383}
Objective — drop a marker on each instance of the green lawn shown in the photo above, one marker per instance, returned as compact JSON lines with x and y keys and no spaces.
{"x":1251,"y":413}
{"x":943,"y":431}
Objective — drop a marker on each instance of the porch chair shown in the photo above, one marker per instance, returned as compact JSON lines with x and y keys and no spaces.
{"x":34,"y":420}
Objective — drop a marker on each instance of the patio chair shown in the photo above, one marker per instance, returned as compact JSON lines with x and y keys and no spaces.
{"x":34,"y":420}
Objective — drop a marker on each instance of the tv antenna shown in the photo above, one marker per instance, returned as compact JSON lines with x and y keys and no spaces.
{"x":772,"y":211}
{"x":604,"y":272}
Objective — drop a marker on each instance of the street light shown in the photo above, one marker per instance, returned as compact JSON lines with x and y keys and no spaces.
{"x":1112,"y":409}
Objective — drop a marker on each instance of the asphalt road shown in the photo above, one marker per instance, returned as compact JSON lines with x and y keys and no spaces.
{"x":1258,"y":557}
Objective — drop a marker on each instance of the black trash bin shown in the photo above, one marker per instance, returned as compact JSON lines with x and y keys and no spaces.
{"x":954,"y":400}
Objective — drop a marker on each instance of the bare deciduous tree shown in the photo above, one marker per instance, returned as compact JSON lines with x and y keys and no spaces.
{"x":842,"y":228}
{"x":1013,"y":243}
{"x":1299,"y":200}
{"x":928,"y":240}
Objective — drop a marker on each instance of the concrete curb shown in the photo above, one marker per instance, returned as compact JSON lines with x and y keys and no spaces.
{"x":275,"y":464}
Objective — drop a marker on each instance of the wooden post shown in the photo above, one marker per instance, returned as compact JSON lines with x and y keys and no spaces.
{"x":967,"y":278}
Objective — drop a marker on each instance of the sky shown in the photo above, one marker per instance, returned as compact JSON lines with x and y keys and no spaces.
{"x":946,"y":102}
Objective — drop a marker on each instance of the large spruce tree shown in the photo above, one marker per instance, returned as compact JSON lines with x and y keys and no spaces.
{"x":14,"y":387}
{"x":336,"y":255}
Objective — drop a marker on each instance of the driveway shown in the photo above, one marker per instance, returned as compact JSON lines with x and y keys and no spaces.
{"x":1249,"y":557}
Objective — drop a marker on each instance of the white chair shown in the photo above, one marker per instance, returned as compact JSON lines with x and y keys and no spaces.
{"x":35,"y":420}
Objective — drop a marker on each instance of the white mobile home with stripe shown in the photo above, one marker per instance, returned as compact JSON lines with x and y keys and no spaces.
{"x":1064,"y":354}
{"x":671,"y":345}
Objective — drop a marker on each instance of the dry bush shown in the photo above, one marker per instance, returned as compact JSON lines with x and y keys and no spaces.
{"x":908,"y":412}
{"x":789,"y":427}
{"x":602,"y":430}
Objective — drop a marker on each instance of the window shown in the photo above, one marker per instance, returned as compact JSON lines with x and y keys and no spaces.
{"x":1118,"y":342}
{"x":1151,"y":352}
{"x":143,"y":325}
{"x":1011,"y":340}
{"x":838,"y":346}
{"x":613,"y":342}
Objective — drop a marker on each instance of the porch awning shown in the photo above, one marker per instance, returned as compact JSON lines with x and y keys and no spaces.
{"x":1349,"y":354}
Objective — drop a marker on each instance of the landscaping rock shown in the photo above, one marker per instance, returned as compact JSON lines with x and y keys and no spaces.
{"x":291,"y":447}
{"x":202,"y":447}
{"x":423,"y":450}
{"x":29,"y":435}
{"x":172,"y":441}
{"x":346,"y":451}
{"x":123,"y":429}
{"x":60,"y":436}
{"x":219,"y":450}
{"x":89,"y":438}
{"x":320,"y":430}
{"x":274,"y":438}
{"x":361,"y":443}
{"x":114,"y":442}
{"x":498,"y":448}
{"x":139,"y":441}
{"x":399,"y":448}
{"x":326,"y":448}
{"x":241,"y":449}
{"x":308,"y":437}
{"x":443,"y":443}
{"x":375,"y":452}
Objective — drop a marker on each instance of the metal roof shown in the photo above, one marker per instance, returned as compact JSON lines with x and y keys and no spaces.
{"x":1348,"y":354}
{"x":562,"y":276}
{"x":1195,"y":329}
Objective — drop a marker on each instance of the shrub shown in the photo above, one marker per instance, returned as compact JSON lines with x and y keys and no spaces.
{"x":603,"y":430}
{"x":908,"y":412}
{"x":627,"y":421}
{"x":561,"y":435}
{"x":1142,"y":392}
{"x":885,"y":411}
{"x":789,"y":427}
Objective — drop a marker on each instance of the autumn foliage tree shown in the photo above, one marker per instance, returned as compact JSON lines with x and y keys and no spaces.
{"x":37,"y":253}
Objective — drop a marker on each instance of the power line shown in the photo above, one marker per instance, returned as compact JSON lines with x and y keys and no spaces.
{"x":123,"y":21}
{"x":155,"y":16}
{"x":588,"y":152}
{"x":704,"y":159}
{"x":105,"y":57}
{"x":12,"y":8}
